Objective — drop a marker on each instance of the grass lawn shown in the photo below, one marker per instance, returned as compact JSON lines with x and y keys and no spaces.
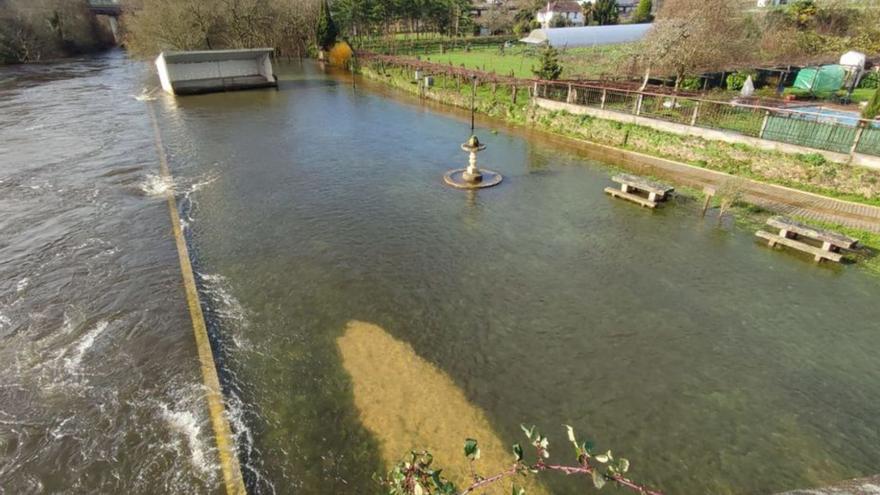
{"x":585,"y":62}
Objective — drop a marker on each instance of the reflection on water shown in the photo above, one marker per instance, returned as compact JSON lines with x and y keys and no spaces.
{"x":409,"y":404}
{"x":715,"y":365}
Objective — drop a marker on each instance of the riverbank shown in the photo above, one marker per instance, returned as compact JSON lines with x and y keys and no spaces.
{"x":807,"y":187}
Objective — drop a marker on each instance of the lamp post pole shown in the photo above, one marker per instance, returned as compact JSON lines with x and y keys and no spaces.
{"x":473,"y":101}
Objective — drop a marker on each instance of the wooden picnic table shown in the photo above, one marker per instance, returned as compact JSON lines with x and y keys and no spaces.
{"x":634,"y":188}
{"x":791,"y":232}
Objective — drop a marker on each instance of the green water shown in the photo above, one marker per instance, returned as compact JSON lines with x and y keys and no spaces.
{"x":714,"y":363}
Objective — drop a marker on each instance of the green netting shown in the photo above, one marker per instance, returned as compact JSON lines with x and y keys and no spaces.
{"x":869,"y":144}
{"x":825,"y":79}
{"x":812,"y":134}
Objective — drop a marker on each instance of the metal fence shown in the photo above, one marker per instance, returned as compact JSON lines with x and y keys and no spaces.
{"x":810,"y":129}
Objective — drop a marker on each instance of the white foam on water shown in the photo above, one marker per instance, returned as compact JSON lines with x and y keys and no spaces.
{"x":155,"y":185}
{"x":185,"y":424}
{"x":146,"y":95}
{"x":199,"y":184}
{"x":4,"y":321}
{"x":22,"y":284}
{"x":244,"y":441}
{"x":227,"y":307}
{"x":82,"y":346}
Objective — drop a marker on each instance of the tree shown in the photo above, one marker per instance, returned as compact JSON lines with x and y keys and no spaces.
{"x":550,"y":68}
{"x":643,"y":12}
{"x":873,"y":109}
{"x":691,"y":35}
{"x":559,"y":21}
{"x":31,"y":30}
{"x":287,"y":25}
{"x":326,"y":31}
{"x":605,"y":12}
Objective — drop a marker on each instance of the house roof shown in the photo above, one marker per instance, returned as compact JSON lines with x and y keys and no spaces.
{"x":562,"y":6}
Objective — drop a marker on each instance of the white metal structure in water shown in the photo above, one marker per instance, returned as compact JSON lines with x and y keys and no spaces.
{"x":216,"y":70}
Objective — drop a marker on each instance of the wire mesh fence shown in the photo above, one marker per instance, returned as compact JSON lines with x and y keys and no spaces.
{"x":869,"y":143}
{"x":820,"y":135}
{"x":809,"y":129}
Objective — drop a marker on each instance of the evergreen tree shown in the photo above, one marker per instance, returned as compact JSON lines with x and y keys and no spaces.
{"x":604,"y":12}
{"x":550,"y":68}
{"x":326,"y":31}
{"x":643,"y":11}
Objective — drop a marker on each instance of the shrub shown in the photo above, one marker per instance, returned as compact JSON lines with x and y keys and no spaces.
{"x":691,"y":84}
{"x":643,"y":12}
{"x":870,"y":80}
{"x":873,"y":109}
{"x":737,"y":80}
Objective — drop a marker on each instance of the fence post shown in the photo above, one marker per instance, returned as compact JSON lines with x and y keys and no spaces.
{"x":696,"y":112}
{"x":858,"y":137}
{"x":604,"y":93}
{"x":568,"y":97}
{"x":764,"y":124}
{"x":639,"y":105}
{"x":513,"y":96}
{"x":535,"y":90}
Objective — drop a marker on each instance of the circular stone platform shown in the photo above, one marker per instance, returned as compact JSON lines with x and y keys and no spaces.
{"x":454,"y":178}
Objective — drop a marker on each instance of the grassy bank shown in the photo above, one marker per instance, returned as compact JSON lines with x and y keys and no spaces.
{"x":583,"y":62}
{"x":808,"y":172}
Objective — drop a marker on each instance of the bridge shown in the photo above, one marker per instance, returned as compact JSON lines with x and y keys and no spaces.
{"x":110,"y":8}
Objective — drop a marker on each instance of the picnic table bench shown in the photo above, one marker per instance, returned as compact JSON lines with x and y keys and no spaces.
{"x":635,"y":189}
{"x":792,"y":234}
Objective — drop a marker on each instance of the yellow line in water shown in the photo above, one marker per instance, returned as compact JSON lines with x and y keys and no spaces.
{"x":232,"y":478}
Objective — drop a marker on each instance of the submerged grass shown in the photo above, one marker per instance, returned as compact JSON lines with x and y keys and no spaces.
{"x":808,"y":172}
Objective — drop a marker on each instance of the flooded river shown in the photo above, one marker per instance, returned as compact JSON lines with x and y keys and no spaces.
{"x":360,"y":308}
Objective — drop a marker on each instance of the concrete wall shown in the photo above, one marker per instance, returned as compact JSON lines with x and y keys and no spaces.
{"x":214,"y":70}
{"x":714,"y":134}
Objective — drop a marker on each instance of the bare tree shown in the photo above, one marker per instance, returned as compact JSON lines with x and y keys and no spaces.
{"x":691,"y":35}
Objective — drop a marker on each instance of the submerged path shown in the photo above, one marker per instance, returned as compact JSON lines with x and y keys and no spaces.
{"x":778,"y":199}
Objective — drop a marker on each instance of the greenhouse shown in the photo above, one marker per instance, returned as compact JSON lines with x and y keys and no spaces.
{"x":587,"y":35}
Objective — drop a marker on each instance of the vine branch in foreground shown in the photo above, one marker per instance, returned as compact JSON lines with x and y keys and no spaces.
{"x":415,"y":476}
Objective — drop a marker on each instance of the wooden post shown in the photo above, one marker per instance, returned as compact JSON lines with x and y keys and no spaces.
{"x":604,"y":94}
{"x":568,"y":97}
{"x":709,"y":191}
{"x":513,"y":91}
{"x":639,"y":105}
{"x":535,"y":91}
{"x":696,"y":112}
{"x":858,"y":137}
{"x":764,"y":124}
{"x":494,"y":88}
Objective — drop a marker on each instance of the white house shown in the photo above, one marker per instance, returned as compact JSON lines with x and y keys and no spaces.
{"x":568,"y":9}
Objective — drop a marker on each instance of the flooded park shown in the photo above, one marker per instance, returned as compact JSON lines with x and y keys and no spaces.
{"x":359,"y":308}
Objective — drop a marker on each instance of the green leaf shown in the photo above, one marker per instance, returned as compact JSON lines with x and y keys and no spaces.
{"x":518,"y":490}
{"x":528,"y":431}
{"x":435,"y":476}
{"x":589,"y":446}
{"x":598,"y":479}
{"x":518,"y":452}
{"x":471,"y":451}
{"x":601,"y":458}
{"x":623,"y":465}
